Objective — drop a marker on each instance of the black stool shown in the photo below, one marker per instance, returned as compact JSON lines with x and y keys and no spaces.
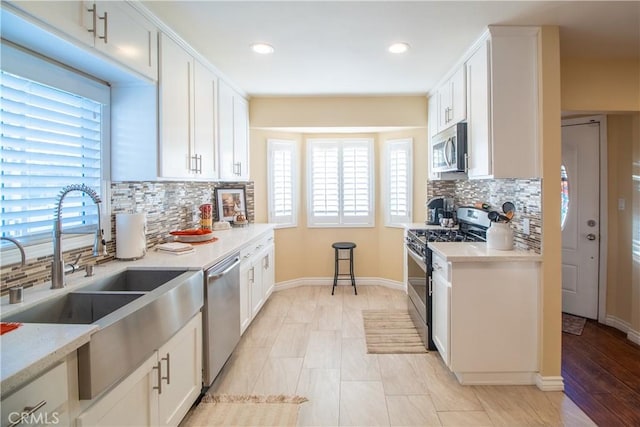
{"x":338,"y":246}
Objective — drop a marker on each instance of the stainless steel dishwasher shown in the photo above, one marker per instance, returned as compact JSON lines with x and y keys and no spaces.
{"x":221,"y":315}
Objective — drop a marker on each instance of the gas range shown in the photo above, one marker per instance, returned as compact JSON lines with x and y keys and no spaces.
{"x":473,"y":225}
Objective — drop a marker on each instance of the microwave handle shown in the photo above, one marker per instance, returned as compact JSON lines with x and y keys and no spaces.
{"x":446,"y":151}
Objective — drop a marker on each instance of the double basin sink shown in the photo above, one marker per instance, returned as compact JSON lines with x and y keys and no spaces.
{"x":136,"y":311}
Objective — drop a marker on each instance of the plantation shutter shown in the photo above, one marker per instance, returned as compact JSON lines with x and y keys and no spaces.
{"x":357,"y":200}
{"x":282,"y":175}
{"x":49,"y":138}
{"x":340,"y":179}
{"x":398,"y":185}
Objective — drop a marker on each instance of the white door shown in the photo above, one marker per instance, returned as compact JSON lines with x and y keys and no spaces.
{"x":580,"y":218}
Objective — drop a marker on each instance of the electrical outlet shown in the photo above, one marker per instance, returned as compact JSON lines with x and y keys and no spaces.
{"x":525,"y":226}
{"x":621,"y":204}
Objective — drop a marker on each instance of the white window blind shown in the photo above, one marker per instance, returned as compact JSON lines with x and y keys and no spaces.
{"x":340,"y":178}
{"x":283,"y":179}
{"x":398,"y":176}
{"x":49,"y":138}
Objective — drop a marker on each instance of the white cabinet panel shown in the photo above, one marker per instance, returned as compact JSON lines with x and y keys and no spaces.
{"x":187,"y":114}
{"x":478,"y":113}
{"x":160,"y":391}
{"x":175,"y":89}
{"x":451,"y":97}
{"x":233,"y":128}
{"x":257,"y":277}
{"x":441,"y":316}
{"x":181,"y":363}
{"x":113,"y":28}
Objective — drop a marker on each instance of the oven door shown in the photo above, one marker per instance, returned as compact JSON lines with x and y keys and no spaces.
{"x":417,"y":289}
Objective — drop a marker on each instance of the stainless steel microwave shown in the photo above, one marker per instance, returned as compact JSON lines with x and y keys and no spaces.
{"x":449,"y":149}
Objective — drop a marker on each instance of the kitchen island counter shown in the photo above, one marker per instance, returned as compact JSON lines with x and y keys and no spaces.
{"x":479,"y":252}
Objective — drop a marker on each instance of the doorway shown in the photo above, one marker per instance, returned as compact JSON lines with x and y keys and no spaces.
{"x":583,"y":217}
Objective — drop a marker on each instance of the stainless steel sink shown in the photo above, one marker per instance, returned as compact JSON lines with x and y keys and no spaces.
{"x":136,"y":311}
{"x":143,"y":280}
{"x":75,"y":308}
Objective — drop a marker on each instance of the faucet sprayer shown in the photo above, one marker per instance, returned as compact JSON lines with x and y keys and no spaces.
{"x":57,"y":266}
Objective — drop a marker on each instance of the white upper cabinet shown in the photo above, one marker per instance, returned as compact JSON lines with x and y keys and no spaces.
{"x":451,"y":96}
{"x":114,"y":28}
{"x":123,"y":34}
{"x":233,"y":122}
{"x":187,"y":114}
{"x":502,"y":79}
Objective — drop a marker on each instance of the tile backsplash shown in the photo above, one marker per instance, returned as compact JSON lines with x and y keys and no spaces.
{"x":168,"y":206}
{"x":526,"y":195}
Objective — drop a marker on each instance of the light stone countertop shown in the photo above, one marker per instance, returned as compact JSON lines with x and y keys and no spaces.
{"x":478,"y":252}
{"x":424,"y":226}
{"x":32,"y":348}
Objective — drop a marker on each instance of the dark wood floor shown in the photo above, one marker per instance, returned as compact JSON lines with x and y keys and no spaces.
{"x":601,"y":371}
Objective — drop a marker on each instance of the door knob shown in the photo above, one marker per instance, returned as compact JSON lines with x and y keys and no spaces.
{"x":591,"y":236}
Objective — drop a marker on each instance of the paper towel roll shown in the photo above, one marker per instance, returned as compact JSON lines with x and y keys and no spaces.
{"x":131,"y":240}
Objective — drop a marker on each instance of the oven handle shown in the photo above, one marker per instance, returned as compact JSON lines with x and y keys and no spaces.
{"x":417,"y":258}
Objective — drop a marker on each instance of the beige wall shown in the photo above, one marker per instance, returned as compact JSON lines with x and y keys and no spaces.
{"x":635,"y":271}
{"x":304,"y":252}
{"x":598,"y":85}
{"x":551,"y":291}
{"x":620,"y":185}
{"x":291,"y":112}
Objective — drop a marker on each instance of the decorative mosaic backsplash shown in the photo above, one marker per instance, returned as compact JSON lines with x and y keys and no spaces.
{"x":526,"y":195}
{"x":168,"y":206}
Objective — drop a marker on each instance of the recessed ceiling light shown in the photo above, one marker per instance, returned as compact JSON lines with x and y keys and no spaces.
{"x":262,"y":48}
{"x":401,"y":47}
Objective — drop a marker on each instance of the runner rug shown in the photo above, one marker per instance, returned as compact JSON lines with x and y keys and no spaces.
{"x":391,"y":332}
{"x":245,"y":410}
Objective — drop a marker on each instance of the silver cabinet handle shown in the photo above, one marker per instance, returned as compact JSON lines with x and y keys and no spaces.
{"x":591,"y":236}
{"x":266,"y":262}
{"x":253,"y":274}
{"x":26,"y":412}
{"x":159,"y":387}
{"x":93,"y":16}
{"x":237,"y":168}
{"x":168,"y":377}
{"x":105,"y":18}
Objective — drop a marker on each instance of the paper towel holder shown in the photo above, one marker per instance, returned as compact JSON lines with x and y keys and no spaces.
{"x":131,"y":239}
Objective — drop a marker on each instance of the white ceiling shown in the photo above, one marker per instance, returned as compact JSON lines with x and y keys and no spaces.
{"x":339,"y":47}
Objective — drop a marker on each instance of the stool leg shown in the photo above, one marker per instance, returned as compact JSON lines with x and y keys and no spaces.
{"x":353,"y":278}
{"x":335,"y":274}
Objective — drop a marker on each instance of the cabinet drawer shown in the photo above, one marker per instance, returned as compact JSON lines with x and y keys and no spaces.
{"x":256,"y":246}
{"x":440,"y":267}
{"x":48,"y":392}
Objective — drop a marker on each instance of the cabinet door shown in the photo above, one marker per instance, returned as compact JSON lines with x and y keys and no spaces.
{"x":133,"y":402}
{"x":441,"y":316}
{"x":181,"y":363}
{"x":125,"y":35}
{"x":225,"y":130}
{"x":245,"y":295}
{"x":205,"y":121}
{"x":175,"y":89}
{"x":73,"y":17}
{"x":458,"y":85}
{"x":433,"y":130}
{"x":255,"y":285}
{"x":478,"y":119}
{"x":268,"y":271}
{"x":240,"y":137}
{"x":444,"y":105}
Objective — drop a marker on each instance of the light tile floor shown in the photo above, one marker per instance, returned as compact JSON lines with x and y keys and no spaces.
{"x":307,"y":342}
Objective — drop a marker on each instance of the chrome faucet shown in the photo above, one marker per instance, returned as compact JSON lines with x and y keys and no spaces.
{"x":20,"y":248}
{"x":58,"y":269}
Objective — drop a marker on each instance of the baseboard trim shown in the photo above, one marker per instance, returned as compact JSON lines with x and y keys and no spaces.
{"x":496,"y":378}
{"x":553,"y":383}
{"x":624,"y":326}
{"x":633,"y":336}
{"x":328,"y":281}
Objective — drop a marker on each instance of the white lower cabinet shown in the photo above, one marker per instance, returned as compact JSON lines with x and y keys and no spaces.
{"x":257,"y":277}
{"x":441,"y":313}
{"x":40,"y":402}
{"x":485,"y":320}
{"x":160,"y":391}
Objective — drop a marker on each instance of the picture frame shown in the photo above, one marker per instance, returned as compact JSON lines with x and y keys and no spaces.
{"x":229,"y":201}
